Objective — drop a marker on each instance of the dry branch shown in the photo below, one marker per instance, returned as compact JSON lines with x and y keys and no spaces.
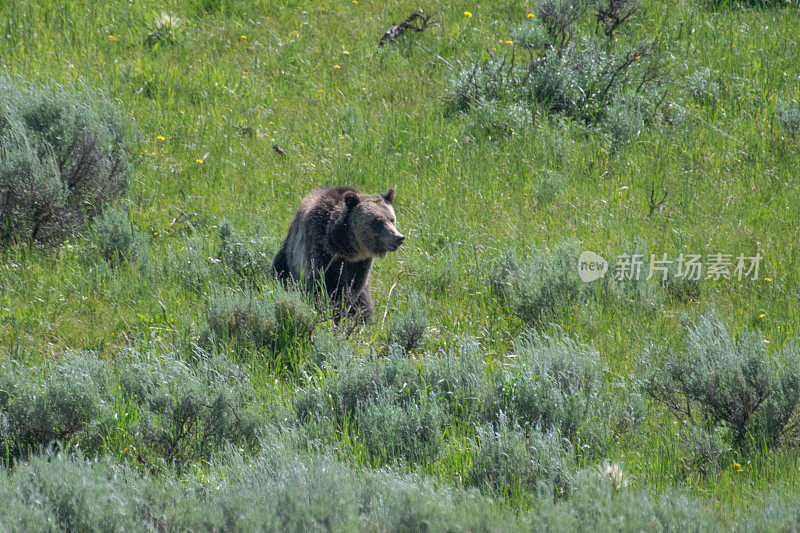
{"x":613,"y":13}
{"x":409,"y":24}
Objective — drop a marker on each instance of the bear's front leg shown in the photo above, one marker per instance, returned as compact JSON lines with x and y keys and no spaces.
{"x":359,"y":305}
{"x":280,"y":267}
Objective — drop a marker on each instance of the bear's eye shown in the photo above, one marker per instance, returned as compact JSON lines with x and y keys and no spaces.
{"x":377,"y":224}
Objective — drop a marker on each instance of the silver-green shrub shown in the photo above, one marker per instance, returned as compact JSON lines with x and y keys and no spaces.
{"x":558,"y":17}
{"x":70,"y":401}
{"x":458,"y":378}
{"x":511,"y":461}
{"x":191,"y":269}
{"x":597,"y":503}
{"x":592,"y":78}
{"x":730,"y":383}
{"x":788,"y":115}
{"x":287,"y":488}
{"x":250,"y":320}
{"x":409,"y":329}
{"x":385,"y":401}
{"x":413,"y":432}
{"x":187,"y":413}
{"x":283,"y":488}
{"x":532,"y":35}
{"x":540,"y":284}
{"x":555,"y":383}
{"x":625,"y":119}
{"x":330,"y":351}
{"x":63,"y":159}
{"x":702,"y":85}
{"x":167,"y":412}
{"x":116,"y":238}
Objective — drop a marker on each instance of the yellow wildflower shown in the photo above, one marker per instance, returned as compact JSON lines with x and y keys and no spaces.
{"x":336,"y":66}
{"x":762,"y":315}
{"x":112,"y":37}
{"x":467,"y":14}
{"x":244,"y":36}
{"x":345,"y":52}
{"x":529,"y":15}
{"x":767,"y":279}
{"x":509,"y":42}
{"x":161,"y":138}
{"x":198,"y":160}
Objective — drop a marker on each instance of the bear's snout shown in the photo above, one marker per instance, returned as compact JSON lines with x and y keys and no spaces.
{"x":392,"y":242}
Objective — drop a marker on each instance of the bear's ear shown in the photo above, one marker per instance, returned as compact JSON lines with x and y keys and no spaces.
{"x":351,"y":199}
{"x":389,"y":196}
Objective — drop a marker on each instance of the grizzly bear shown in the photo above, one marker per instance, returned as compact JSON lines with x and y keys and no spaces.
{"x":332,"y":241}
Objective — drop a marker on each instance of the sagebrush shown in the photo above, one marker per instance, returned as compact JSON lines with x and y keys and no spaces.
{"x":64,"y":157}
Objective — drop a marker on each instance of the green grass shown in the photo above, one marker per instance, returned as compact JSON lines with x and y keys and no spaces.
{"x":310,"y":78}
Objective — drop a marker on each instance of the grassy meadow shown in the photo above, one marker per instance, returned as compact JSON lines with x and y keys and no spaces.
{"x":153,"y":376}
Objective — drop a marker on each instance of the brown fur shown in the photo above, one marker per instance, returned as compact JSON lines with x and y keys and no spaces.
{"x":332,"y":241}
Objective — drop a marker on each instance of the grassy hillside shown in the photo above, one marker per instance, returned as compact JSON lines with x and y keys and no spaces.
{"x":514,"y":361}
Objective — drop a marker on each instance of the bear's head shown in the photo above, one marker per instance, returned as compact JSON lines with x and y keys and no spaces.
{"x":373,"y":223}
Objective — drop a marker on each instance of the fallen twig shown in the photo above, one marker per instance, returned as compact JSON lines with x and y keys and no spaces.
{"x":656,"y":203}
{"x":409,"y":24}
